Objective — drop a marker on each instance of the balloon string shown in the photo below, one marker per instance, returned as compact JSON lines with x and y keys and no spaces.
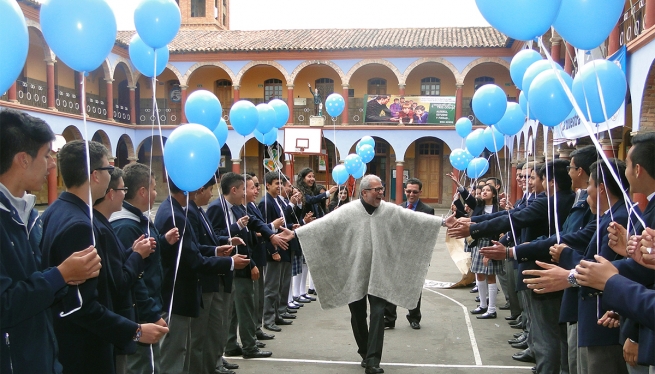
{"x":545,"y":129}
{"x":179,"y":253}
{"x":152,"y":137}
{"x":590,"y":131}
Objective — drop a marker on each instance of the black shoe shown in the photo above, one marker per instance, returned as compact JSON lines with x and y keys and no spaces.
{"x":516,"y":335}
{"x":523,"y":356}
{"x":298,"y":304}
{"x":512,"y":318}
{"x":292,"y":306}
{"x":230,"y":366}
{"x":311,"y":291}
{"x":488,"y":315}
{"x":373,"y":370}
{"x":516,"y":322}
{"x":477,"y":299}
{"x":301,"y":300}
{"x":474,"y":289}
{"x":534,"y":369}
{"x":287,"y":316}
{"x":479,"y":310}
{"x":260,"y":344}
{"x":519,"y":326}
{"x":415,"y":325}
{"x":519,"y":339}
{"x":521,"y":345}
{"x":223,"y":370}
{"x":310,"y":298}
{"x":283,"y":322}
{"x":264,"y":336}
{"x":389,"y":325}
{"x":234,"y":352}
{"x":257,"y":354}
{"x":292,"y":311}
{"x":275,"y":328}
{"x":504,"y":307}
{"x":363,"y":364}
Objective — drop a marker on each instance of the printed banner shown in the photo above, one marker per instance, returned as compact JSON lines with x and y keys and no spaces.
{"x":410,"y":110}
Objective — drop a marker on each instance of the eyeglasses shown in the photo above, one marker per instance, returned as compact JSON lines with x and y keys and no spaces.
{"x":120,"y":189}
{"x":410,"y":192}
{"x":109,"y":168}
{"x":568,"y":168}
{"x":376,"y":189}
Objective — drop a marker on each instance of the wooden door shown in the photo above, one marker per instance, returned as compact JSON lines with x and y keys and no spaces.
{"x":428,"y":169}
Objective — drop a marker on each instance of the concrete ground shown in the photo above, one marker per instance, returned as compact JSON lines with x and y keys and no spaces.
{"x":450,"y":340}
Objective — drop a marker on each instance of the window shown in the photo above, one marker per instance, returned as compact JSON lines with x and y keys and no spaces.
{"x":377,"y":86}
{"x":430,"y":86}
{"x":197,"y":8}
{"x":325,"y":87}
{"x":430,"y":148}
{"x":272,"y":89}
{"x":481,"y":81}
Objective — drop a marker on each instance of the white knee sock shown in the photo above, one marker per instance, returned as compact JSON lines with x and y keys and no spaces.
{"x":294,"y":287}
{"x":493,"y":291}
{"x":311,"y":281}
{"x":303,"y":279}
{"x":482,"y":292}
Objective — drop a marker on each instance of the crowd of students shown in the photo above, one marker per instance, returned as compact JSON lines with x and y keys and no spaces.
{"x":573,"y":255}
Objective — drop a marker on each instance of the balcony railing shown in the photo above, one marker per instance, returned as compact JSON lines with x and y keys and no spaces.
{"x":32,"y":92}
{"x":122,"y":114}
{"x":169,"y":112}
{"x":96,"y":107}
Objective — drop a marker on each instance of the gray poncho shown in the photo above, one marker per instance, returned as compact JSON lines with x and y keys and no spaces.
{"x":351,"y":254}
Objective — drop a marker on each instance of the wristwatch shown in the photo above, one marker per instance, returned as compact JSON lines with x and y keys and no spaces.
{"x":572,"y":281}
{"x":137,"y":334}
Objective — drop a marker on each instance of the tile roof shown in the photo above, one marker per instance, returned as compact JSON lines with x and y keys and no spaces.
{"x":199,"y":41}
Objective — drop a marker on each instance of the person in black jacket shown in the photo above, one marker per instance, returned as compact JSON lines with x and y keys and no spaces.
{"x":87,"y":326}
{"x":27,"y":292}
{"x":377,"y":106}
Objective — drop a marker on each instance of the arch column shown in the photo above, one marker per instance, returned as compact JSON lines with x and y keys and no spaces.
{"x":613,"y":44}
{"x":132,"y":160}
{"x":235,"y":93}
{"x":555,"y":48}
{"x":458,"y":100}
{"x":344,"y":93}
{"x":132,"y":104}
{"x":11,"y":93}
{"x":81,"y":95}
{"x":568,"y":63}
{"x":610,"y":148}
{"x":110,"y":99}
{"x":288,"y":169}
{"x":112,"y":161}
{"x":183,"y":88}
{"x":650,"y":13}
{"x":52,"y":183}
{"x":401,"y":89}
{"x":400,"y":168}
{"x":50,"y":83}
{"x":236,"y":165}
{"x":513,"y":185}
{"x":290,"y":103}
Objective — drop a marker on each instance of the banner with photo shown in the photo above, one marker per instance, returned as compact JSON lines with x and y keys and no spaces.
{"x":410,"y":110}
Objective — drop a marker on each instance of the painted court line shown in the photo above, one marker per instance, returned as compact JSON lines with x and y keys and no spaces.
{"x":453,"y":366}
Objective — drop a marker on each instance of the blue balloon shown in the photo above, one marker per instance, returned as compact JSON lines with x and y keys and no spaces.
{"x":281,"y":112}
{"x":266,"y":117}
{"x":523,"y":102}
{"x":361,"y":172}
{"x":612,"y":83}
{"x":157,"y":21}
{"x":365,"y":140}
{"x":460,"y":158}
{"x":340,"y":174}
{"x":493,"y":139}
{"x":80,"y":33}
{"x":244,"y":117}
{"x":267,"y":139}
{"x":191,"y":156}
{"x":14,"y":43}
{"x":477,"y":167}
{"x":512,"y":121}
{"x":520,"y":19}
{"x":366,"y":153}
{"x":334,"y":104}
{"x":550,"y":104}
{"x":533,"y":71}
{"x":463,"y":126}
{"x":221,"y":132}
{"x":520,"y":63}
{"x":353,"y":163}
{"x":143,"y":57}
{"x":586,"y":24}
{"x":203,"y":107}
{"x":475,"y":142}
{"x":489,"y":103}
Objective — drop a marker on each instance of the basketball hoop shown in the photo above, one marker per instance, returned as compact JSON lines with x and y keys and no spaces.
{"x":302,"y":144}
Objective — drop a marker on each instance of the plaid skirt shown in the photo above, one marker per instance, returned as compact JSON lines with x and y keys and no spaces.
{"x":296,"y":264}
{"x":477,"y":260}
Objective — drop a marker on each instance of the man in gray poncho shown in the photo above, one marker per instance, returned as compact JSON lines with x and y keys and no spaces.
{"x":381,"y":252}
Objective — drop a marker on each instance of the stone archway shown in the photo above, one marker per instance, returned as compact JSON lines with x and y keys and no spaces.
{"x":304,"y":64}
{"x":71,"y":133}
{"x":239,"y":76}
{"x":363,"y":63}
{"x":438,"y":60}
{"x":125,"y":151}
{"x":479,"y":61}
{"x":185,"y":78}
{"x":101,"y":137}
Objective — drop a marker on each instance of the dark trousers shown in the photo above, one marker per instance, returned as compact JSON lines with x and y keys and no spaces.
{"x":242,"y":316}
{"x":413,"y":315}
{"x":369,"y":338}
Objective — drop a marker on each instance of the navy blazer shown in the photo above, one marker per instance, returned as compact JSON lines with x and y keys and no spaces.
{"x":192,"y":262}
{"x":257,"y":244}
{"x":201,"y":225}
{"x":26,"y":294}
{"x":87,"y":337}
{"x":420,"y":207}
{"x":271,"y":211}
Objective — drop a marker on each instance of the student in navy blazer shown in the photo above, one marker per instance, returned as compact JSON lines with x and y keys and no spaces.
{"x":86,"y":324}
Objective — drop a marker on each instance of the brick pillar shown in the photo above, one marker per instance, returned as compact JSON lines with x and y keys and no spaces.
{"x":11,"y":93}
{"x":401,"y":89}
{"x":290,"y":103}
{"x":565,"y":151}
{"x":132,"y":104}
{"x":79,"y":77}
{"x":50,"y":82}
{"x":110,"y":99}
{"x":650,"y":13}
{"x":183,"y":88}
{"x":610,"y":149}
{"x":344,"y":115}
{"x":288,"y":169}
{"x":52,"y":185}
{"x":513,"y":184}
{"x":399,"y":181}
{"x":236,"y":165}
{"x":555,"y":48}
{"x":568,"y":63}
{"x":132,"y":160}
{"x":235,"y":93}
{"x":456,"y":174}
{"x":458,"y":101}
{"x":613,"y":44}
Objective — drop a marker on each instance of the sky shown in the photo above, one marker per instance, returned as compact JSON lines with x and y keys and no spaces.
{"x":319,"y":14}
